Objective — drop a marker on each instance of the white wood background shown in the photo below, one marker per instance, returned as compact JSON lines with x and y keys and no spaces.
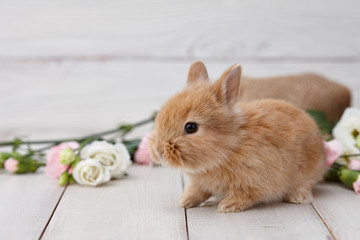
{"x":70,"y":68}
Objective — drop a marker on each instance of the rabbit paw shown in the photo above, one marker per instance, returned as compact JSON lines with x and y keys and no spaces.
{"x":193,"y":196}
{"x":188,"y":201}
{"x":300,"y":197}
{"x":231,"y":205}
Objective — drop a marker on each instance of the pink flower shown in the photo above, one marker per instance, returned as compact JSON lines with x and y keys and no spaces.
{"x":11,"y":165}
{"x":354,"y":165}
{"x":333,"y":150}
{"x":142,"y":154}
{"x":54,"y":168}
{"x":356,"y":186}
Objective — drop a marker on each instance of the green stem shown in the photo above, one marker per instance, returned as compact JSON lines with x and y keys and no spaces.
{"x":96,"y":135}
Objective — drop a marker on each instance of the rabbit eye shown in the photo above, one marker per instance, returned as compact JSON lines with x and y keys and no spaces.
{"x":191,"y":127}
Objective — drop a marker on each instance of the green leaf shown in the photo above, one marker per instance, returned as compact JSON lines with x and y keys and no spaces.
{"x":17,"y":143}
{"x":126,"y":128}
{"x":334,"y":172}
{"x":332,"y":175}
{"x":71,"y":179}
{"x":4,"y":156}
{"x":17,"y":156}
{"x":131,"y":146}
{"x":321,"y":119}
{"x":29,"y":166}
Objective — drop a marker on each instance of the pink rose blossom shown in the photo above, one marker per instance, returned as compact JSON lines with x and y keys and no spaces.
{"x":142,"y":154}
{"x":354,"y":165}
{"x":54,"y":168}
{"x":333,"y":150}
{"x":356,"y":186}
{"x":11,"y":165}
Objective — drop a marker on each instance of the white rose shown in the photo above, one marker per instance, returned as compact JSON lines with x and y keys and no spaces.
{"x":90,"y":172}
{"x":344,"y":129}
{"x":114,"y":158}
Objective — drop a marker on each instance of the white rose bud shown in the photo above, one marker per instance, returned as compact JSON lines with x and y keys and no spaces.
{"x":114,"y":158}
{"x":91,"y":173}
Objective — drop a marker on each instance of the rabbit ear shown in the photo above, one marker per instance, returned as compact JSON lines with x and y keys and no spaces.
{"x":197,"y":72}
{"x":227,"y":88}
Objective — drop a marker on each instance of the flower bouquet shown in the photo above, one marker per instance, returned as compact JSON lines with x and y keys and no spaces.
{"x":342,"y":149}
{"x":90,"y":160}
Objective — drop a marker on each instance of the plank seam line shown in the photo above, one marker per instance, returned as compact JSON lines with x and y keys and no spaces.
{"x":325,"y":222}
{"x":175,"y":59}
{"x":186,"y":224}
{"x":52,"y":214}
{"x":185,"y":210}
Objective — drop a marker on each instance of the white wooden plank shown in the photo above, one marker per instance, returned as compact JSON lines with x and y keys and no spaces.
{"x":270,"y":221}
{"x":140,"y":206}
{"x":173,"y":29}
{"x":273,"y":221}
{"x":71,"y":98}
{"x":27,"y":202}
{"x":340,"y":209}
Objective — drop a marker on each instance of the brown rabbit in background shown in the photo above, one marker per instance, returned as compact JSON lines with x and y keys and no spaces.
{"x":247,"y":152}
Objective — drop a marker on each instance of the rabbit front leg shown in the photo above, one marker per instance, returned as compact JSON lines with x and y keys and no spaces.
{"x":236,"y":202}
{"x":193,"y":196}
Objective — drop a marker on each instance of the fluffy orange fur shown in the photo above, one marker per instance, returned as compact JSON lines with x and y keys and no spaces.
{"x":260,"y":151}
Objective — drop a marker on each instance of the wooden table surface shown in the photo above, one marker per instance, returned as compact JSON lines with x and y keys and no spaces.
{"x":70,"y":68}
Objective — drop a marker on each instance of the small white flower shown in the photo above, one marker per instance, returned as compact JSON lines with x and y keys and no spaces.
{"x":344,"y":129}
{"x":90,"y":172}
{"x":114,"y":158}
